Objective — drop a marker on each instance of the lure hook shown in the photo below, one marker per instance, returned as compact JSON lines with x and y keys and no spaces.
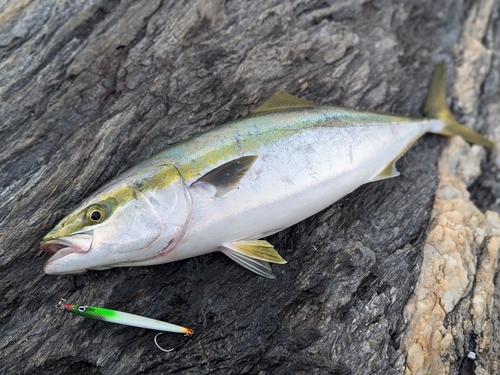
{"x":70,"y":292}
{"x":159,"y":347}
{"x":60,"y":303}
{"x":188,"y":333}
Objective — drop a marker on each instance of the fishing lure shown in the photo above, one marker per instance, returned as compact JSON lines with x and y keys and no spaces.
{"x":119,"y":317}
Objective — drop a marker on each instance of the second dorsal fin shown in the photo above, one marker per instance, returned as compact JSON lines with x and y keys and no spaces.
{"x":282,"y":100}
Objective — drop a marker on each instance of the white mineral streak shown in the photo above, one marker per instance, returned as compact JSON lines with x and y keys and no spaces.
{"x":476,"y":58}
{"x":452,"y":268}
{"x":454,"y":295}
{"x":462,"y":160}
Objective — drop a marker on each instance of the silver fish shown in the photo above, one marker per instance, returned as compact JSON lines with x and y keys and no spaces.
{"x":226,"y":189}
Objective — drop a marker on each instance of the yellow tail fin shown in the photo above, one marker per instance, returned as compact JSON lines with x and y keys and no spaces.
{"x":435,"y":107}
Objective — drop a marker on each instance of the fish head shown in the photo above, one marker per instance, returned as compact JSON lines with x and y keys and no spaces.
{"x":132,"y":219}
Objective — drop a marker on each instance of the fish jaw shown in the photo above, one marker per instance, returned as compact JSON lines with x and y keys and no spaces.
{"x":148,"y":215}
{"x":64,"y":248}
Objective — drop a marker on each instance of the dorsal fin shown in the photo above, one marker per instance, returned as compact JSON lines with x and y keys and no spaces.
{"x":282,"y":100}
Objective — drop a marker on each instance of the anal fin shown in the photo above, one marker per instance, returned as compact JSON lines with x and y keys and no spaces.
{"x":388,"y":172}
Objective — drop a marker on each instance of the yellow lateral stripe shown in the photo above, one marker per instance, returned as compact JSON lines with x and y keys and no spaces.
{"x":198,"y":155}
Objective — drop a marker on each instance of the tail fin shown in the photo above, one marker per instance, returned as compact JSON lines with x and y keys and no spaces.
{"x":435,"y":107}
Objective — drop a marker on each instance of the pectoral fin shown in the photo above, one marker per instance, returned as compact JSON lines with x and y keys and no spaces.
{"x":225,"y":177}
{"x":281,"y":100}
{"x":254,"y":255}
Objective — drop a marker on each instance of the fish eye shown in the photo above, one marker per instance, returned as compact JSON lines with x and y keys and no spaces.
{"x":82,"y":308}
{"x":96,"y":214}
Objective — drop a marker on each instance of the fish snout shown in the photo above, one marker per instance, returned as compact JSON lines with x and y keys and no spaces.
{"x":51,"y":246}
{"x":79,"y":243}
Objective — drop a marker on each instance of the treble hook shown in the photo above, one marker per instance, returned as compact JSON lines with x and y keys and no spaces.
{"x":70,"y":292}
{"x":60,"y":303}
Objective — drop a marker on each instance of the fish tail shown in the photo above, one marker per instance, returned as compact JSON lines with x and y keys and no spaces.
{"x":435,"y":107}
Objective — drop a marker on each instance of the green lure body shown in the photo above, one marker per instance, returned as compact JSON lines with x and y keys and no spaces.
{"x":119,"y":317}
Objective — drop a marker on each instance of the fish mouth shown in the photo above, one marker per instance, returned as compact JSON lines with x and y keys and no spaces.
{"x":77,"y":243}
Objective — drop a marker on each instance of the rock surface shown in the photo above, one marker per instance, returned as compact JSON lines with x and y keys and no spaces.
{"x":451,"y":313}
{"x":89,"y":88}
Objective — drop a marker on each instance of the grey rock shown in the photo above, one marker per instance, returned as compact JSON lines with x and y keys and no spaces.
{"x":87,"y":89}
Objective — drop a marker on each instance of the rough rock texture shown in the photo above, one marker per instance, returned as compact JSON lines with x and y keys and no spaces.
{"x":452,"y":319}
{"x":89,"y":88}
{"x":450,"y":315}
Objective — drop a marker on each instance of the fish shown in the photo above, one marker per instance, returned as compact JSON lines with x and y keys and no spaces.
{"x":120,"y":317}
{"x":230,"y":187}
